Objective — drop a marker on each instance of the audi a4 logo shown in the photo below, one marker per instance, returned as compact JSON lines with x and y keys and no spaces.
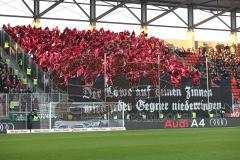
{"x":6,"y":126}
{"x":218,"y":122}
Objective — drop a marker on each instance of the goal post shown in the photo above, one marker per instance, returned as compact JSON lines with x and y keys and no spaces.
{"x":76,"y":117}
{"x":86,"y":116}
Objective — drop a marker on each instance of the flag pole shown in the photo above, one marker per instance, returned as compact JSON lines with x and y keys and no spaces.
{"x":159,"y":82}
{"x":207,"y":81}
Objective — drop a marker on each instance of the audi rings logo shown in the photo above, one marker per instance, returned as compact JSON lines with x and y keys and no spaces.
{"x":6,"y":126}
{"x":218,"y":122}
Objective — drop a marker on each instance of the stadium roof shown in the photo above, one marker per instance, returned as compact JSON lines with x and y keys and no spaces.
{"x":198,"y":4}
{"x":88,"y":9}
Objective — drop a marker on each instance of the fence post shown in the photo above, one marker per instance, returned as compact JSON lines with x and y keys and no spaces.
{"x":31,"y":102}
{"x":207,"y":83}
{"x":1,"y":41}
{"x":26,"y":114}
{"x":50,"y":113}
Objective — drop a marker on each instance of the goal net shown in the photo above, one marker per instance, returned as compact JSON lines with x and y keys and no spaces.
{"x":82,"y":116}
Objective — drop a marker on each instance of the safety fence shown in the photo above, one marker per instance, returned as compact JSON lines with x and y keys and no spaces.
{"x":55,"y":112}
{"x":17,"y":103}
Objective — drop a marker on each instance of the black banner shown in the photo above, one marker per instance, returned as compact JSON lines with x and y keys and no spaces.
{"x":146,"y":98}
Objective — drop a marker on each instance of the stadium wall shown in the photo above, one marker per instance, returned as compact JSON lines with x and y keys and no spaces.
{"x":16,"y":127}
{"x":184,"y":123}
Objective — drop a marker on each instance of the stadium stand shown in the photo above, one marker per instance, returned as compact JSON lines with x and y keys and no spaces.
{"x":74,"y":53}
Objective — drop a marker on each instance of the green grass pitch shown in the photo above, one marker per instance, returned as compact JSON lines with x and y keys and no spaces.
{"x":175,"y":144}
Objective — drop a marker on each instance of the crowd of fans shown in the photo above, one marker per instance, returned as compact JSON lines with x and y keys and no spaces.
{"x":223,"y":62}
{"x":9,"y":82}
{"x":74,"y":53}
